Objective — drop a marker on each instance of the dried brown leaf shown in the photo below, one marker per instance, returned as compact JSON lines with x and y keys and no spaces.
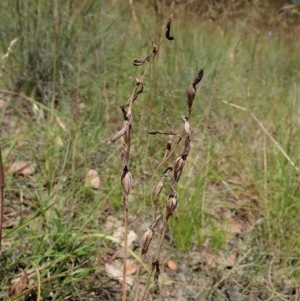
{"x":116,"y":273}
{"x":25,"y":168}
{"x":18,"y":284}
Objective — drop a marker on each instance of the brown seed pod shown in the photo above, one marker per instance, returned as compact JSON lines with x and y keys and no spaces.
{"x":191,"y":92}
{"x":178,"y":168}
{"x":146,"y":240}
{"x":171,"y":205}
{"x":126,"y":180}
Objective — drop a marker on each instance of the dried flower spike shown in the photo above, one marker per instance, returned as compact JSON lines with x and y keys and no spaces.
{"x":146,"y":240}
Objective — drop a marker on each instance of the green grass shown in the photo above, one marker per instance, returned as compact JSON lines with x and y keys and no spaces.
{"x":83,"y":52}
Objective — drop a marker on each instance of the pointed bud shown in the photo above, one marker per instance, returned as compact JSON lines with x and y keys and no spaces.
{"x":171,"y":205}
{"x":146,"y":240}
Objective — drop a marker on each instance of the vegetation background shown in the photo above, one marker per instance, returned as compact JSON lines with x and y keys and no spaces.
{"x":66,"y":69}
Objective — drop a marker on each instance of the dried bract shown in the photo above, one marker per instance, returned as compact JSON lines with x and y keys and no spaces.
{"x":198,"y":78}
{"x":168,"y":28}
{"x":187,"y":127}
{"x":159,"y":188}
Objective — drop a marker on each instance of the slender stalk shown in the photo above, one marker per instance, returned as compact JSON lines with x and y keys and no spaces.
{"x":1,"y":197}
{"x":147,"y":284}
{"x":139,"y":279}
{"x":124,"y":285}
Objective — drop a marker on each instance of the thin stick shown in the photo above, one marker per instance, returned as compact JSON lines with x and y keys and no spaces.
{"x":147,"y":284}
{"x":139,"y":279}
{"x":124,"y":285}
{"x":1,"y":197}
{"x":266,"y":132}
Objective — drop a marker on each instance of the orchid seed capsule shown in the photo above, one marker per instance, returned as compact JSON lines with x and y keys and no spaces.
{"x":178,"y":168}
{"x":126,"y":180}
{"x":146,"y":240}
{"x":171,"y":205}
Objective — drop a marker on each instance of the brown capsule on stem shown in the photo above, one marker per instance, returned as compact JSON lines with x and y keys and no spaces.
{"x":171,"y":205}
{"x":178,"y":168}
{"x":126,"y":180}
{"x":146,"y":240}
{"x":191,"y":92}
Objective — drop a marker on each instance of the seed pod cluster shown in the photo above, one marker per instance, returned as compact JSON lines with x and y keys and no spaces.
{"x":125,"y":134}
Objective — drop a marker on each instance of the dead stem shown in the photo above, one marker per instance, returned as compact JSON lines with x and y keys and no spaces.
{"x":1,"y":197}
{"x":125,"y":255}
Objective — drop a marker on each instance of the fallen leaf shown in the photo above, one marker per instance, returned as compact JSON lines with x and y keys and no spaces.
{"x":92,"y":179}
{"x":131,"y":267}
{"x":25,"y":168}
{"x":112,"y":222}
{"x":235,"y":226}
{"x":18,"y":285}
{"x":10,"y":217}
{"x":131,"y":237}
{"x":116,"y":273}
{"x":219,"y":261}
{"x":171,"y":265}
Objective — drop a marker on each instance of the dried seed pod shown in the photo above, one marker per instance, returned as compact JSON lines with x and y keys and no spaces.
{"x":187,"y":148}
{"x":171,"y":205}
{"x":191,"y":92}
{"x":146,"y":240}
{"x":178,"y":168}
{"x":126,"y":180}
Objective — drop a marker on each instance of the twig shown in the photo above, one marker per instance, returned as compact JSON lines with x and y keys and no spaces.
{"x":266,"y":132}
{"x":1,"y":197}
